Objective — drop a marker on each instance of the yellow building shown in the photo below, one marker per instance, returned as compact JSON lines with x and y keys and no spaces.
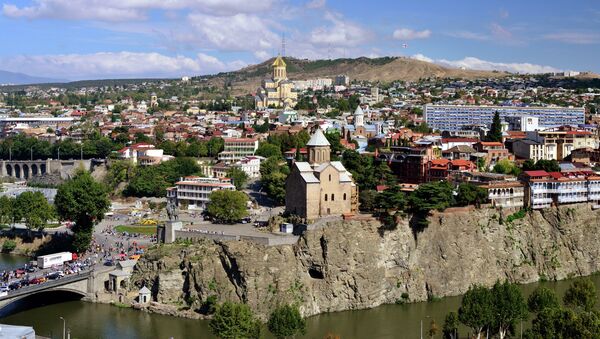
{"x":320,"y":187}
{"x":278,"y":91}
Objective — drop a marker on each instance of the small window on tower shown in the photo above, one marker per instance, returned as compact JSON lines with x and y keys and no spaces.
{"x":332,"y":197}
{"x":325,"y":197}
{"x":330,"y":177}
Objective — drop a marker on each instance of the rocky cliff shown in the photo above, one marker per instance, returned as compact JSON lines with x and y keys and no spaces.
{"x":353,"y":265}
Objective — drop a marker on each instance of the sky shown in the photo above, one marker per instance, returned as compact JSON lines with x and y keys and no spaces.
{"x":96,"y":39}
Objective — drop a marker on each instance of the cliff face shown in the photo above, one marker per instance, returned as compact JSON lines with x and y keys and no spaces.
{"x":350,"y":265}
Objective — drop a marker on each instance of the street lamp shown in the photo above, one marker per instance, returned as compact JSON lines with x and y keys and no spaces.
{"x":422,"y":325}
{"x":64,"y":327}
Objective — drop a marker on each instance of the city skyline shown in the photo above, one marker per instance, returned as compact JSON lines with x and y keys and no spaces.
{"x":94,"y":39}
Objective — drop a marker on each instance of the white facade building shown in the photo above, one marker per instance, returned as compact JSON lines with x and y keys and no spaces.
{"x":194,"y":192}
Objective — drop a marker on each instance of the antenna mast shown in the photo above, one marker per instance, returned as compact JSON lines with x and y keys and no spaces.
{"x":283,"y":44}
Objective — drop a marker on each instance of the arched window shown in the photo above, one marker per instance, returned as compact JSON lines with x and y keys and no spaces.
{"x":325,"y":197}
{"x":332,"y":197}
{"x":344,"y":196}
{"x":330,"y":177}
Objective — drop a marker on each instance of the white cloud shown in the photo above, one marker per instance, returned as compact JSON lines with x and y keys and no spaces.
{"x":316,"y":4}
{"x":409,"y":34}
{"x":240,"y":32}
{"x":468,"y":35}
{"x":484,"y":65}
{"x":116,"y":65}
{"x":578,"y":38}
{"x":124,"y":10}
{"x":341,"y":32}
{"x":262,"y":55}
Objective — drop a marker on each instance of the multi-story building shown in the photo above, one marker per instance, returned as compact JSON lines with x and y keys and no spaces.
{"x":235,"y":149}
{"x":409,"y":164}
{"x":143,"y":154}
{"x":194,"y":192}
{"x":545,"y":189}
{"x":456,"y":117}
{"x":553,"y":144}
{"x":503,"y":190}
{"x":442,"y":169}
{"x":250,"y":165}
{"x":494,"y":152}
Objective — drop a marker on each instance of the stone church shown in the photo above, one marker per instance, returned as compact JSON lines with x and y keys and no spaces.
{"x":320,"y":187}
{"x":278,"y":91}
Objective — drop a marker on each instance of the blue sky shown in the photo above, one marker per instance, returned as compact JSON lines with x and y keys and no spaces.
{"x":83,"y":39}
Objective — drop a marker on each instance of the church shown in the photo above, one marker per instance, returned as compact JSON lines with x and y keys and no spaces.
{"x":278,"y":91}
{"x":320,"y":187}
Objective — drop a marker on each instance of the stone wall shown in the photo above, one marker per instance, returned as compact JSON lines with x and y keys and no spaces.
{"x":353,"y":264}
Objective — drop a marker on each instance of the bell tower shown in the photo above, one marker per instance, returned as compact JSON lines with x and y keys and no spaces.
{"x":279,"y":69}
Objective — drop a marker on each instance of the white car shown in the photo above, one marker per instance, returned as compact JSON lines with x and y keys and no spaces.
{"x":4,"y":289}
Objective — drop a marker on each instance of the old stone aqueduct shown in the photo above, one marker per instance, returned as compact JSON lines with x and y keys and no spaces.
{"x":27,"y":169}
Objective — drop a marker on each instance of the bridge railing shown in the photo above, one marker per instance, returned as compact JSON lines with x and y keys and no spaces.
{"x":48,"y":284}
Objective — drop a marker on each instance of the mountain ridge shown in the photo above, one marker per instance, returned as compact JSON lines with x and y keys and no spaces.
{"x":15,"y":78}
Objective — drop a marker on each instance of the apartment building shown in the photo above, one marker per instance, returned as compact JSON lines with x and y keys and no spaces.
{"x":236,"y":149}
{"x":494,"y":152}
{"x":554,"y":144}
{"x":409,"y":164}
{"x":503,"y":190}
{"x":143,"y":154}
{"x":545,"y":189}
{"x":457,"y":117}
{"x":194,"y":192}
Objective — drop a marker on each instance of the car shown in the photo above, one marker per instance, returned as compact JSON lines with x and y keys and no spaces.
{"x":4,"y":288}
{"x":109,"y":262}
{"x":35,"y":281}
{"x":55,"y":275}
{"x":24,"y":282}
{"x":30,"y":269}
{"x":14,"y":285}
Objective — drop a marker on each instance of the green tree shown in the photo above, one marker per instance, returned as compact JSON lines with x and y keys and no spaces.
{"x":6,"y":209}
{"x":390,"y":199}
{"x":36,"y":209}
{"x":476,"y":309}
{"x":542,"y":298}
{"x":469,"y":194}
{"x":581,"y":294}
{"x":495,"y":132}
{"x":383,"y":174}
{"x":227,"y":206}
{"x":234,"y":321}
{"x":506,"y":166}
{"x":215,"y":145}
{"x":84,"y":201}
{"x":450,"y":329}
{"x":273,"y":174}
{"x":432,"y":196}
{"x":286,"y":321}
{"x":238,"y":176}
{"x":509,"y":307}
{"x":268,"y":150}
{"x":367,"y":200}
{"x":147,"y":181}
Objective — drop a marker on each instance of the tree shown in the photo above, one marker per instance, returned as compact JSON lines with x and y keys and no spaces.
{"x":215,"y":145}
{"x":541,"y":299}
{"x":508,"y":306}
{"x":273,"y":174}
{"x":238,"y":176}
{"x":432,"y":196}
{"x":6,"y":209}
{"x":84,"y":201}
{"x":495,"y":132}
{"x":390,"y":199}
{"x":450,"y":329}
{"x":384,"y":174}
{"x":469,"y":194}
{"x":506,"y":166}
{"x":581,"y":294}
{"x":234,"y":321}
{"x":367,"y":200}
{"x":476,"y":309}
{"x":286,"y":321}
{"x":36,"y":209}
{"x":147,"y":181}
{"x":227,"y":206}
{"x":268,"y":150}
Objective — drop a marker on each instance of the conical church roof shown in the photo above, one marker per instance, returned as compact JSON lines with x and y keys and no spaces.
{"x":318,"y":139}
{"x":279,"y":62}
{"x":359,"y":111}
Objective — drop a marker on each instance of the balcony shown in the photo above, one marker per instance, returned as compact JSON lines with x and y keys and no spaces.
{"x":569,"y":199}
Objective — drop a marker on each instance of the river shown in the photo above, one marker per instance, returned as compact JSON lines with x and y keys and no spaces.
{"x":88,"y":320}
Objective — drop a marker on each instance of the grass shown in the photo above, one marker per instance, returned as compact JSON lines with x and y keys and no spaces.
{"x":149,"y":230}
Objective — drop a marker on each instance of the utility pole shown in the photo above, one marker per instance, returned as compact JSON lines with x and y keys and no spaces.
{"x":64,"y":327}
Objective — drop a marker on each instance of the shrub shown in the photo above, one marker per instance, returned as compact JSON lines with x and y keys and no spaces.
{"x":9,"y":246}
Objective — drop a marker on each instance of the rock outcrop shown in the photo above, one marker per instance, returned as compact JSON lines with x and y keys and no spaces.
{"x":353,"y":265}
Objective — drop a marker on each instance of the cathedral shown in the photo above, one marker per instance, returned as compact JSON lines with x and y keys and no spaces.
{"x":320,"y":187}
{"x":278,"y":91}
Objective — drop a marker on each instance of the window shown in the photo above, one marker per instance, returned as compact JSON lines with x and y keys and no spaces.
{"x":325,"y":197}
{"x":344,"y":196}
{"x":332,"y":197}
{"x":330,"y":177}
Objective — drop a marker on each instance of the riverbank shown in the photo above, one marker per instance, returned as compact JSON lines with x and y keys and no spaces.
{"x":23,"y":248}
{"x":354,"y":265}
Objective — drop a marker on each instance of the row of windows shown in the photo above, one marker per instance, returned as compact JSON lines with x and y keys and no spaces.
{"x":333,"y":196}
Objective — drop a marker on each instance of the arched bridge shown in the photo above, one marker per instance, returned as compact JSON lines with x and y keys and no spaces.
{"x":26,"y":169}
{"x":82,"y":284}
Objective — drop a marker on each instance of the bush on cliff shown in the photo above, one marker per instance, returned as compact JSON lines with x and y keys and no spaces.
{"x":234,"y":321}
{"x":286,"y":321}
{"x":9,"y":246}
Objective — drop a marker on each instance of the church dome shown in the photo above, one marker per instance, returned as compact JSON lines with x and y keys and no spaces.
{"x":318,"y":139}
